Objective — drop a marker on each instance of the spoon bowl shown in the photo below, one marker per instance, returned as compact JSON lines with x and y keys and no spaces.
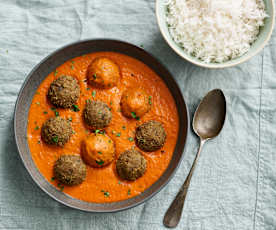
{"x":210,"y":115}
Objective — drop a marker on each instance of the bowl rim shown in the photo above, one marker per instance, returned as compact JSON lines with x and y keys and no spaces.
{"x":185,"y":56}
{"x":25,"y":163}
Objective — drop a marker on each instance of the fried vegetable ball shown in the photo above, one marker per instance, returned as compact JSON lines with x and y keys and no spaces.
{"x":70,"y":169}
{"x":97,"y":114}
{"x":103,"y":73}
{"x":150,"y":136}
{"x":64,"y":92}
{"x":56,"y":131}
{"x":135,"y":102}
{"x":131,"y":165}
{"x":98,"y":150}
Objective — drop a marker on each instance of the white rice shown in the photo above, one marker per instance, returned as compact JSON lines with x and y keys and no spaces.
{"x":215,"y":30}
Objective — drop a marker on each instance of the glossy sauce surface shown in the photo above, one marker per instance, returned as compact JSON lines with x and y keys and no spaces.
{"x":103,"y":184}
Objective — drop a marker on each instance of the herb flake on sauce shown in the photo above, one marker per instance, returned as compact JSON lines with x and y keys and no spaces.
{"x":55,"y":139}
{"x":133,"y":114}
{"x":76,"y":108}
{"x":106,"y":193}
{"x":100,"y":162}
{"x":150,"y":102}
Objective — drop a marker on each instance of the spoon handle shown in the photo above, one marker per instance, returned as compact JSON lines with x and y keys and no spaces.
{"x":173,"y":214}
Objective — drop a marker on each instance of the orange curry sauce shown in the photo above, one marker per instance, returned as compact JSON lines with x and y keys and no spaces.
{"x":133,"y":73}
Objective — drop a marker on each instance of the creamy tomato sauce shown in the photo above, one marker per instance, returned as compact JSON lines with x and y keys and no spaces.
{"x":133,"y":73}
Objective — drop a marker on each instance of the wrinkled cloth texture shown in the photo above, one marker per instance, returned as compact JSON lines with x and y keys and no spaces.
{"x":234,"y":184}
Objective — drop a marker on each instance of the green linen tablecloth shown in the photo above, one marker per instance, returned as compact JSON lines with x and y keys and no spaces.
{"x":234,"y":185}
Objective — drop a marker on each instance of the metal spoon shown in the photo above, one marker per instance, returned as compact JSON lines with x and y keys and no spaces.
{"x":207,"y":123}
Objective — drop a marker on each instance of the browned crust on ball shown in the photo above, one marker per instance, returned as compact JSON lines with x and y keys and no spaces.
{"x":131,"y":165}
{"x":97,"y":114}
{"x":70,"y":170}
{"x":64,"y":92}
{"x":150,"y":136}
{"x":56,"y":131}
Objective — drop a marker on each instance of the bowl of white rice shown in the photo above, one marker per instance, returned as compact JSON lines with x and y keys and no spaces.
{"x":216,"y":33}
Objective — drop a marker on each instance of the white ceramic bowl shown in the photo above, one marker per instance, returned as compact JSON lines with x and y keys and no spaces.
{"x":257,"y":46}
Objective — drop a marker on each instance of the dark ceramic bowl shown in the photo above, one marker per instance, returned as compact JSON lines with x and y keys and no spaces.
{"x":46,"y":66}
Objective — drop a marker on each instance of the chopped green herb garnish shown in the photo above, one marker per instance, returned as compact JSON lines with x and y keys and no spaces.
{"x":111,"y":103}
{"x":123,"y":127}
{"x":97,"y":131}
{"x":55,"y":139}
{"x":99,"y":152}
{"x":37,"y":127}
{"x":60,"y":186}
{"x":100,"y":162}
{"x":100,"y":112}
{"x":133,"y":114}
{"x":129,"y":192}
{"x":38,"y":142}
{"x":109,"y":109}
{"x":72,"y":66}
{"x":109,"y":141}
{"x":130,"y":138}
{"x":38,"y":103}
{"x":94,"y":76}
{"x":55,"y":73}
{"x":7,"y":51}
{"x":87,"y":101}
{"x":150,"y":102}
{"x":106,"y":194}
{"x":45,"y":112}
{"x":70,"y":119}
{"x":86,"y":131}
{"x":142,"y":46}
{"x":53,"y":108}
{"x":119,"y":182}
{"x":118,"y":134}
{"x":73,"y":131}
{"x":53,"y":178}
{"x":87,"y":88}
{"x":56,"y":113}
{"x":76,"y":108}
{"x":73,"y":62}
{"x":93,"y":93}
